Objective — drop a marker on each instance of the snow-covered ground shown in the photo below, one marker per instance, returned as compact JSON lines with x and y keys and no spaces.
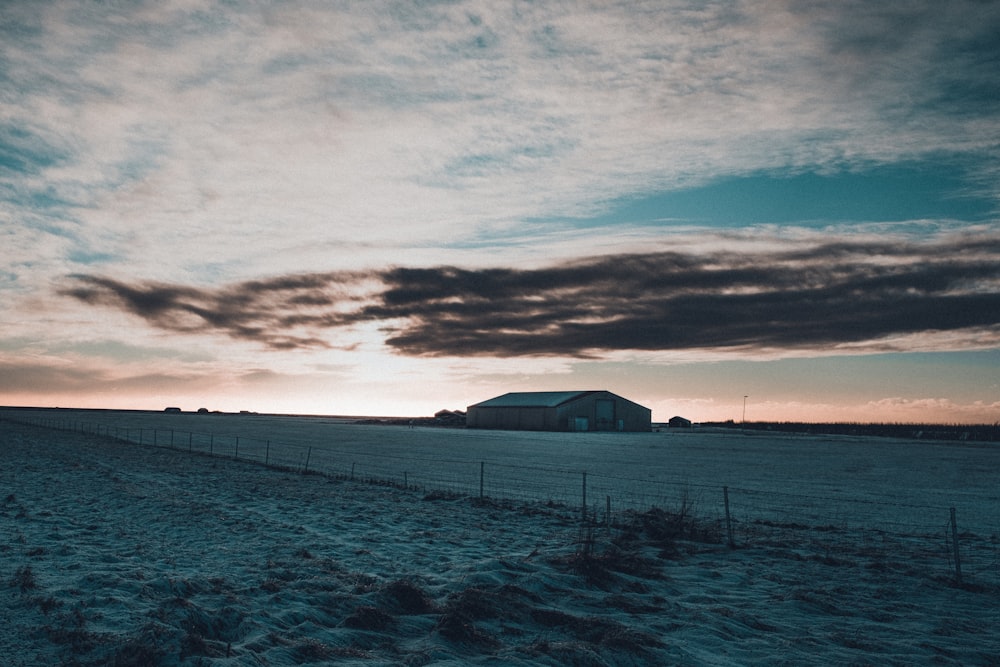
{"x":131,"y":555}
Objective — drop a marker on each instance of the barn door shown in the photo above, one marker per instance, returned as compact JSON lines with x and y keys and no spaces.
{"x":605,"y":414}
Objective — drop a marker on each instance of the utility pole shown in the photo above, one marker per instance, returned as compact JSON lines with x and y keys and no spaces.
{"x":744,"y":420}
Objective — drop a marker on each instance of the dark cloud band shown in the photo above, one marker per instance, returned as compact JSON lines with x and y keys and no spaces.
{"x":806,"y":298}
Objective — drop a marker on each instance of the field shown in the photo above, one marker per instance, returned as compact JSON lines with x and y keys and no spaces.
{"x":126,"y":554}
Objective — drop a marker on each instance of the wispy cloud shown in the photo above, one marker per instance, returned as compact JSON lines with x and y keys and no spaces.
{"x":38,"y":376}
{"x":271,"y":312}
{"x":810,"y":298}
{"x":153,"y":127}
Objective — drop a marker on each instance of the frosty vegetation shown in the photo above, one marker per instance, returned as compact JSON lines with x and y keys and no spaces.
{"x":119,"y":554}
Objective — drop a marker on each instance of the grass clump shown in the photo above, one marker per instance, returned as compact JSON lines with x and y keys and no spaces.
{"x":601,"y":567}
{"x":409,"y":597}
{"x":24,"y":579}
{"x":369,"y":618}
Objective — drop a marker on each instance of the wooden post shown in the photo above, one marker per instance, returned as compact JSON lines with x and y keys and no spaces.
{"x":729,"y":521}
{"x":236,"y":449}
{"x":190,"y":440}
{"x":584,"y":512}
{"x":607,"y":515}
{"x":482,"y":473}
{"x":308,"y":454}
{"x":954,"y":546}
{"x":267,"y":452}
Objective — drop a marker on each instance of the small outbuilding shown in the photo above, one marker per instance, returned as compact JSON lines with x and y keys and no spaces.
{"x":560,"y":411}
{"x":679,"y":422}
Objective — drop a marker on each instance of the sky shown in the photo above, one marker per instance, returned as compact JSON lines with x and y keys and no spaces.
{"x":782,"y":210}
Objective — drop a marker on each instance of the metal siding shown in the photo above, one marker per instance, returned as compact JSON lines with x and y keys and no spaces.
{"x":517,"y":419}
{"x":604,"y":413}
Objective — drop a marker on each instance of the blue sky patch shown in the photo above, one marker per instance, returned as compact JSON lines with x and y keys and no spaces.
{"x":882,"y":194}
{"x":22,"y":151}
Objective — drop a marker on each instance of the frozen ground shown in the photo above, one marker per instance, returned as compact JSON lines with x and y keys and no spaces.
{"x":898,"y":485}
{"x":126,"y":555}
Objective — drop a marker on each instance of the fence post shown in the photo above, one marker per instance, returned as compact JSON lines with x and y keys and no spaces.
{"x":236,"y":450}
{"x":267,"y":452}
{"x":607,"y":515}
{"x":584,"y":513}
{"x":729,"y":521}
{"x":308,"y":454}
{"x":954,"y":546}
{"x":211,"y":444}
{"x":482,"y":472}
{"x":406,"y":483}
{"x":190,"y":442}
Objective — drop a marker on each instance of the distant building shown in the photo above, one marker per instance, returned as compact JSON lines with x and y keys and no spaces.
{"x":679,"y":422}
{"x":560,"y":411}
{"x":449,"y":417}
{"x":172,"y":409}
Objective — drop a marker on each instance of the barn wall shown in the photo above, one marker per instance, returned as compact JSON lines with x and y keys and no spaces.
{"x":636,"y":417}
{"x":518,"y":419}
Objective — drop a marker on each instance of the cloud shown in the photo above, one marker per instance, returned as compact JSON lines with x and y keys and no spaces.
{"x":41,"y":376}
{"x":811,"y":297}
{"x":271,"y":312}
{"x":158,"y":128}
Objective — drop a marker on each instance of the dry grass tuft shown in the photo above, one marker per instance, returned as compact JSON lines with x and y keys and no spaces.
{"x":24,"y":579}
{"x":409,"y":598}
{"x":369,"y":618}
{"x":455,"y":626}
{"x":600,"y":567}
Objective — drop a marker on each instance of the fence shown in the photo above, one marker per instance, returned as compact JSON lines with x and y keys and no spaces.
{"x":729,"y":514}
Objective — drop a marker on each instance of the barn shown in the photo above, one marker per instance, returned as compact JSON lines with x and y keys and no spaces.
{"x":560,"y":411}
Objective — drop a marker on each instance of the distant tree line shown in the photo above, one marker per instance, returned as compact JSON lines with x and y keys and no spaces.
{"x":959,"y":432}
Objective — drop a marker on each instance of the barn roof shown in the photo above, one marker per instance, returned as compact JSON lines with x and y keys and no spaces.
{"x":532,"y":399}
